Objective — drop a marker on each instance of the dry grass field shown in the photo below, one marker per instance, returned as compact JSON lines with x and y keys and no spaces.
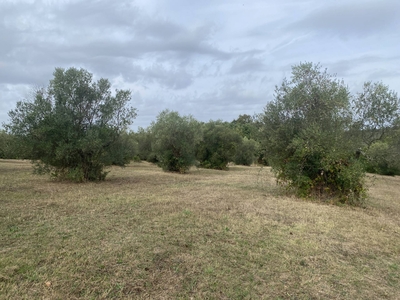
{"x":148,"y":234}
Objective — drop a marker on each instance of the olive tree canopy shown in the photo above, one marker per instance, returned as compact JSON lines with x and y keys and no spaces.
{"x":73,"y":128}
{"x":174,"y":141}
{"x":306,"y":129}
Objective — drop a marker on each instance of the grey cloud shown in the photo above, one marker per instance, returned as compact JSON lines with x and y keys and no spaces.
{"x":248,"y":64}
{"x":357,"y":18}
{"x":85,"y":21}
{"x":165,"y":76}
{"x":272,"y":28}
{"x":190,"y":42}
{"x":214,"y":60}
{"x":179,"y":48}
{"x":173,"y":79}
{"x":107,"y":66}
{"x":102,"y":14}
{"x":8,"y":40}
{"x":106,"y":37}
{"x":157,"y":28}
{"x":15,"y":73}
{"x":346,"y":67}
{"x":239,"y":94}
{"x":383,"y":74}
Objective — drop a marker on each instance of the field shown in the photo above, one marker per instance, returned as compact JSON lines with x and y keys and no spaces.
{"x":148,"y":234}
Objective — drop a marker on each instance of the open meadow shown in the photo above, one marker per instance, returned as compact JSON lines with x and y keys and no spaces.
{"x":149,"y":234}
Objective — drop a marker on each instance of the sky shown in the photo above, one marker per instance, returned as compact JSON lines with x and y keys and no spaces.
{"x":209,"y":59}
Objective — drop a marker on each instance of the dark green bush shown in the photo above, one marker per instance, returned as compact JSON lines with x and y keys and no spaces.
{"x":143,"y":138}
{"x":246,"y":152}
{"x":218,"y":146}
{"x":383,"y":157}
{"x":174,"y":141}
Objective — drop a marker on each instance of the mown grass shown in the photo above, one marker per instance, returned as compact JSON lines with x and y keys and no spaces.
{"x":147,"y":234}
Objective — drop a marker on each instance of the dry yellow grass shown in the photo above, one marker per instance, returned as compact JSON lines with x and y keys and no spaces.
{"x":147,"y":234}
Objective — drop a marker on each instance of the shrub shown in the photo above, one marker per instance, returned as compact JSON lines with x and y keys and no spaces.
{"x":143,"y":138}
{"x":246,"y":152}
{"x":306,"y":136}
{"x":383,"y":158}
{"x":174,"y":141}
{"x":218,"y":146}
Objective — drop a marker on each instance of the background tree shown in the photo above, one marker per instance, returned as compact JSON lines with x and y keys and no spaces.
{"x":218,"y":147}
{"x":246,"y":152}
{"x":73,"y":129}
{"x":144,"y":138}
{"x":305,"y":127}
{"x":377,"y":111}
{"x":383,"y":157}
{"x":125,"y":148}
{"x":9,"y":146}
{"x":377,"y":108}
{"x":174,"y":141}
{"x":249,"y":127}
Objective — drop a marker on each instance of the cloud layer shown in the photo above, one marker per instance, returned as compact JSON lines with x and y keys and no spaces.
{"x":214,"y":60}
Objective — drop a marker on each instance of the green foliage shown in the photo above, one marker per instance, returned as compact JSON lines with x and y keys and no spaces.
{"x":125,"y":149}
{"x":377,"y":109}
{"x":377,"y":112}
{"x":75,"y":128}
{"x":247,"y":126}
{"x":144,"y":139}
{"x":174,"y":141}
{"x":8,"y":145}
{"x":305,"y":129}
{"x":383,"y":158}
{"x":246,"y":152}
{"x":218,"y":147}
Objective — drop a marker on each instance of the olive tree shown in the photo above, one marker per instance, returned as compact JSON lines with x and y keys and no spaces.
{"x":306,"y":127}
{"x":218,"y":146}
{"x":8,"y":146}
{"x":377,"y":111}
{"x":377,"y":108}
{"x":247,"y":126}
{"x":246,"y":152}
{"x":144,"y":138}
{"x":174,"y":141}
{"x":74,"y":127}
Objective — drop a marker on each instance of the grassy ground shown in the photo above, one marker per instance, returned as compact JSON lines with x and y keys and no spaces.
{"x":147,"y":234}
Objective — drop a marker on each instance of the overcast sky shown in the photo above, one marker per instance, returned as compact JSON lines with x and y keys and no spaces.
{"x":211,"y":59}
